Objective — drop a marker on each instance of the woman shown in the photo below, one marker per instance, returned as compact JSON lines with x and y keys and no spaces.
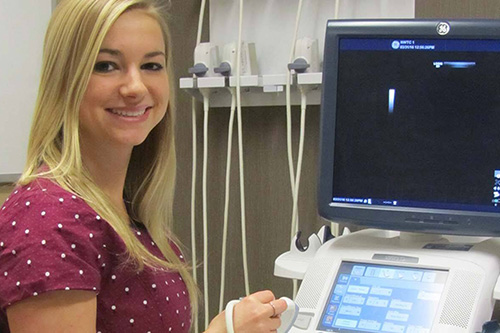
{"x":85,"y":238}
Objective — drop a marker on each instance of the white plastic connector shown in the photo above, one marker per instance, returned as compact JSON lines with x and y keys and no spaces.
{"x":293,"y":264}
{"x":206,"y":58}
{"x":325,"y":234}
{"x":307,"y":50}
{"x":228,"y":62}
{"x":229,"y":53}
{"x":248,"y":59}
{"x":346,"y":231}
{"x":496,"y":290}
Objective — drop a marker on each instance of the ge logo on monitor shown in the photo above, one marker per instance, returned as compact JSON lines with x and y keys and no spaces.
{"x":443,"y":28}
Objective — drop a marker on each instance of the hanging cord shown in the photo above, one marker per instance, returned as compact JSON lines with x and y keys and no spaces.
{"x":289,"y":112}
{"x":289,"y":128}
{"x":235,"y":100}
{"x":226,"y":202}
{"x":193,"y":174}
{"x":303,"y":107}
{"x":295,"y":213}
{"x":240,"y":149}
{"x":335,"y":226}
{"x":200,"y":22}
{"x":205,"y":207}
{"x":193,"y":193}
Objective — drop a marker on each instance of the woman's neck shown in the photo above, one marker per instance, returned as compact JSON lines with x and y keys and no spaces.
{"x":108,"y":168}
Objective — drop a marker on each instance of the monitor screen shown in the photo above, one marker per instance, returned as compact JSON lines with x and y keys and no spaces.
{"x":380,"y":298}
{"x":411,"y":125}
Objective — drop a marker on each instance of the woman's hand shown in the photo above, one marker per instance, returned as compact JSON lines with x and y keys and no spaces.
{"x":258,"y":312}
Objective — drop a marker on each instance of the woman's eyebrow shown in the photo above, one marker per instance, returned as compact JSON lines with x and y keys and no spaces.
{"x":114,"y":52}
{"x":154,"y":54}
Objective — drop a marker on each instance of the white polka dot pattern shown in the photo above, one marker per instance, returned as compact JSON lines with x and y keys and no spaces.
{"x":51,"y":239}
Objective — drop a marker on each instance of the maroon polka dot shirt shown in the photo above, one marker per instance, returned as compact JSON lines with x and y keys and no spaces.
{"x":52,"y":240}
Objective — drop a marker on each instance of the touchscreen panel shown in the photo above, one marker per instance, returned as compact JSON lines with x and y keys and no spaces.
{"x":369,"y":297}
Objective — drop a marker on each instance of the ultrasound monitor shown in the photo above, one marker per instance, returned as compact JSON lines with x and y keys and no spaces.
{"x":410,"y":130}
{"x":410,"y":125}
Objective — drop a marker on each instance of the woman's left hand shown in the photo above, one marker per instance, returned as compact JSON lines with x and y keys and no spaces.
{"x":258,"y":312}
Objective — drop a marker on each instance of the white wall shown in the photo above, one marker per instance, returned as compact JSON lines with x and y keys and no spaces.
{"x":270,"y":23}
{"x":22,"y":29}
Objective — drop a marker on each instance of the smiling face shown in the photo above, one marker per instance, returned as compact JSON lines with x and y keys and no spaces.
{"x":128,"y":91}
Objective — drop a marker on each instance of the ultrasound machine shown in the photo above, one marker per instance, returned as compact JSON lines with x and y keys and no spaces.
{"x":410,"y":154}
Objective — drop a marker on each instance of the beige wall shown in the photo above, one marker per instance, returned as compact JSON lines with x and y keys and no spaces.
{"x":268,"y":194}
{"x":457,"y":8}
{"x":5,"y":190}
{"x":267,"y":184}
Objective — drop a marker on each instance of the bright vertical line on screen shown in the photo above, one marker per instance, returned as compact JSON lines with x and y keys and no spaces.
{"x":392,"y":97}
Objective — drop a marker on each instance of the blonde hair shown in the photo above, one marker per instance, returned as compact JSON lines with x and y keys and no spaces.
{"x":74,"y":37}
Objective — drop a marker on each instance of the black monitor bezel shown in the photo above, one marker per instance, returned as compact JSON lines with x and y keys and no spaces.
{"x":440,"y":221}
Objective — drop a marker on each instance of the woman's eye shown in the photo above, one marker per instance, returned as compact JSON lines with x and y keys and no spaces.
{"x":104,"y":67}
{"x":152,"y":66}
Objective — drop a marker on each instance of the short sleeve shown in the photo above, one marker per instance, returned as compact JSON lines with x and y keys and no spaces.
{"x":49,"y":240}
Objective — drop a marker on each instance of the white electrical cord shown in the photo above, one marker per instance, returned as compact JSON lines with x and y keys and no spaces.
{"x":193,"y":193}
{"x":200,"y":22}
{"x":335,"y":226}
{"x":303,"y":107}
{"x":289,"y":133}
{"x":295,"y":213}
{"x":193,"y":175}
{"x":337,"y":9}
{"x":289,"y":111}
{"x":240,"y":149}
{"x":226,"y":201}
{"x":205,"y":207}
{"x":235,"y":100}
{"x":229,"y":316}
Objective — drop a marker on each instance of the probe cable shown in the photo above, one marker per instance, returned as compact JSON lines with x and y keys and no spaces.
{"x":294,"y":225}
{"x":205,"y":207}
{"x":193,"y":178}
{"x":226,"y":199}
{"x":240,"y":149}
{"x":289,"y":112}
{"x":235,"y":104}
{"x":335,"y":226}
{"x":303,"y":107}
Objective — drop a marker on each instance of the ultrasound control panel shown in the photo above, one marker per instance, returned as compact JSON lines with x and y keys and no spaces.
{"x":381,"y":298}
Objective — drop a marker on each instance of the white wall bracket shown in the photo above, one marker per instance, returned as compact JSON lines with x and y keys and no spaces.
{"x":270,"y":26}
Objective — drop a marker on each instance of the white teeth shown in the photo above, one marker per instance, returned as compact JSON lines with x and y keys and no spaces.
{"x":128,"y":113}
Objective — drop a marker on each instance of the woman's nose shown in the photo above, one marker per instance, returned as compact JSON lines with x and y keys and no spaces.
{"x":133,"y":85}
